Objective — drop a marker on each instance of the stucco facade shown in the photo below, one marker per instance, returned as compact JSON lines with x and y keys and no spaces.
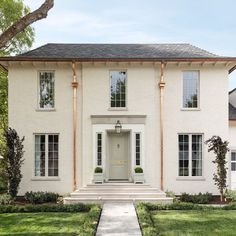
{"x":141,"y":115}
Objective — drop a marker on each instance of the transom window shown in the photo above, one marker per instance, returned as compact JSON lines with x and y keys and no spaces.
{"x":118,"y":88}
{"x":190,"y":155}
{"x":233,"y":161}
{"x":46,"y":90}
{"x":46,"y":155}
{"x":190,"y":89}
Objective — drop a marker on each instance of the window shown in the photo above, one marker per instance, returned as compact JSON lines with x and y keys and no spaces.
{"x":99,"y":149}
{"x":118,"y":88}
{"x":190,"y":89}
{"x":190,"y":155}
{"x":46,"y":155}
{"x":137,"y":150}
{"x":46,"y":90}
{"x":233,"y":161}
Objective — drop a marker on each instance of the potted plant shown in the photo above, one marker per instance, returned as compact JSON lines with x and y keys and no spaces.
{"x":138,"y":175}
{"x":98,"y":175}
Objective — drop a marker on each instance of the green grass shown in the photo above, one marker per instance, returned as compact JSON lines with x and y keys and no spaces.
{"x":211,"y":222}
{"x":60,"y":223}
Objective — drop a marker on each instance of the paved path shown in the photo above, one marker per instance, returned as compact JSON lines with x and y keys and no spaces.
{"x":118,"y":219}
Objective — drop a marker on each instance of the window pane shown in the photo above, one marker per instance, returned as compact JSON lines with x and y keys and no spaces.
{"x":53,"y":155}
{"x":118,"y":88}
{"x":233,"y":166}
{"x":46,"y":90}
{"x":39,"y":155}
{"x":190,"y":89}
{"x":196,"y":155}
{"x":183,"y":155}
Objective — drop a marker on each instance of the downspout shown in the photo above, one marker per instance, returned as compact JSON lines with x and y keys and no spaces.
{"x":75,"y":87}
{"x":161,"y":86}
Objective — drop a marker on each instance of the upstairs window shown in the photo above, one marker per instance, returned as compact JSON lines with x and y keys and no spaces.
{"x":190,"y":89}
{"x":46,"y":90}
{"x":118,"y":88}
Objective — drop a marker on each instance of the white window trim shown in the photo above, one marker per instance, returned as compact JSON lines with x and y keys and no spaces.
{"x":46,"y":177}
{"x":126,"y":92}
{"x":198,"y":108}
{"x":38,"y":108}
{"x":190,"y":177}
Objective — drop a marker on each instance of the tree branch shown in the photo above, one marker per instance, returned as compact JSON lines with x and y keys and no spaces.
{"x":25,"y":21}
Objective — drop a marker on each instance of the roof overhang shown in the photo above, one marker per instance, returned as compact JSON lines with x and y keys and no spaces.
{"x":4,"y":61}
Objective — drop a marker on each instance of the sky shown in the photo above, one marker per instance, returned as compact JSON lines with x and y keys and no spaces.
{"x":208,"y":24}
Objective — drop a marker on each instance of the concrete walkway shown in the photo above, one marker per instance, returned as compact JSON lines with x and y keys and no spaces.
{"x":118,"y":219}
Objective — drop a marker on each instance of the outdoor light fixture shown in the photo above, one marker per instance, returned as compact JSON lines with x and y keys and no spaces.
{"x":118,"y":127}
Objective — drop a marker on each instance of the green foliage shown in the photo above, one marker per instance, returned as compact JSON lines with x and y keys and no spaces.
{"x":200,"y":198}
{"x":170,"y":194}
{"x":13,"y":160}
{"x":48,"y":208}
{"x":10,"y":12}
{"x":220,"y":149}
{"x":138,"y":170}
{"x":5,"y":199}
{"x":98,"y":169}
{"x":231,"y":195}
{"x":41,"y":197}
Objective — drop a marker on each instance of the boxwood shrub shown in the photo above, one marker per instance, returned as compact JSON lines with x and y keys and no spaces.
{"x":41,"y":197}
{"x":201,"y":198}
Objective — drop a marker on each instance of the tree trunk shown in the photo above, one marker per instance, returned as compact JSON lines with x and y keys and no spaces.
{"x":25,"y":21}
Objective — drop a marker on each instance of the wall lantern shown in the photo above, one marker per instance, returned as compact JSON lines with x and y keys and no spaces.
{"x":118,"y":127}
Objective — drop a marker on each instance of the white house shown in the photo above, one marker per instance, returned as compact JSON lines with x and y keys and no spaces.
{"x":67,"y":99}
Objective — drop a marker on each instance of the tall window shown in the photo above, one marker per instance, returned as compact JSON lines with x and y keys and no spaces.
{"x":233,"y":161}
{"x":46,"y":155}
{"x":99,"y":149}
{"x":118,"y":88}
{"x":190,"y":155}
{"x":190,"y":89}
{"x":137,"y":149}
{"x":46,"y":90}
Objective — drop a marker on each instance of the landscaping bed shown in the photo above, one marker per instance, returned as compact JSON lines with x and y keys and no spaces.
{"x":186,"y":219}
{"x":49,"y":219}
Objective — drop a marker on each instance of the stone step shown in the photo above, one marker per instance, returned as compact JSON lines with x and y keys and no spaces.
{"x":121,"y":189}
{"x":115,"y":185}
{"x":118,"y":195}
{"x":164,"y":200}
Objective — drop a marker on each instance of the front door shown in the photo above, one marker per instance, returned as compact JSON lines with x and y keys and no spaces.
{"x":119,"y":152}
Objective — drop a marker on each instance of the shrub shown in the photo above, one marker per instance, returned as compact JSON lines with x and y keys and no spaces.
{"x":138,"y":170}
{"x":41,"y":197}
{"x":231,"y":195}
{"x":98,"y":170}
{"x":201,"y":198}
{"x":80,"y":207}
{"x":5,"y":199}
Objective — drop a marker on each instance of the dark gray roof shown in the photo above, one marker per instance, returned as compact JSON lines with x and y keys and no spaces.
{"x":118,"y":51}
{"x":232,"y":112}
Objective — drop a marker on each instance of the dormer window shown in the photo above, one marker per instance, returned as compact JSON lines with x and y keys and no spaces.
{"x":118,"y":89}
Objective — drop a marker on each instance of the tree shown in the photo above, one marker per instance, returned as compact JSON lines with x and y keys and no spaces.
{"x":13,"y":160}
{"x":220,"y":149}
{"x":16,"y":24}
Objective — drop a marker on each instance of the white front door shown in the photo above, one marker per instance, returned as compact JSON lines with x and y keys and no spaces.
{"x":118,"y":156}
{"x":233,"y":170}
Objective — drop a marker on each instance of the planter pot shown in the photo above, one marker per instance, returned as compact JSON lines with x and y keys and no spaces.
{"x":98,"y":178}
{"x":138,"y":178}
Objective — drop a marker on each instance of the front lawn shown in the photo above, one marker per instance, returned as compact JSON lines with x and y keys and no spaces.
{"x":195,"y":222}
{"x":50,"y":223}
{"x":175,"y":221}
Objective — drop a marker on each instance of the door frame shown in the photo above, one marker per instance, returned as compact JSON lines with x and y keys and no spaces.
{"x":108,"y":151}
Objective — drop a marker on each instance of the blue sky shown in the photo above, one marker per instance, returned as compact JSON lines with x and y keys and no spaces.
{"x":208,"y":24}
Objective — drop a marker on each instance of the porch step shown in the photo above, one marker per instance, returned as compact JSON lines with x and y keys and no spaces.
{"x":116,"y":192}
